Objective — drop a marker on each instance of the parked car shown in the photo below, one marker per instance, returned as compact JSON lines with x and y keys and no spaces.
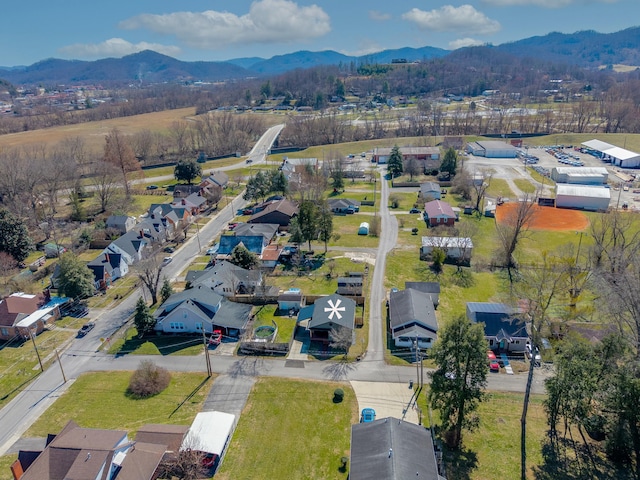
{"x":367,"y":415}
{"x":529,"y":351}
{"x":494,"y":366}
{"x":414,"y":210}
{"x":209,"y":460}
{"x":86,"y":328}
{"x":213,"y":250}
{"x":215,"y":338}
{"x":167,"y":260}
{"x":152,"y":187}
{"x":169,"y":249}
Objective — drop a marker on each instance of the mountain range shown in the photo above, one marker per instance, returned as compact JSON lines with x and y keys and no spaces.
{"x":587,"y":49}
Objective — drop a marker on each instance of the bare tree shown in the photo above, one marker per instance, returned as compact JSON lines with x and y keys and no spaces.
{"x":480,"y":188}
{"x":8,"y":266}
{"x":142,"y":144}
{"x":615,"y":241}
{"x":538,"y":289}
{"x":118,"y":152}
{"x":149,"y":271}
{"x":185,"y":465}
{"x":513,"y":228}
{"x":106,"y":182}
{"x":341,"y":338}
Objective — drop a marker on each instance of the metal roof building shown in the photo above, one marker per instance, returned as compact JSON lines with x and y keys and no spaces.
{"x":580,"y":175}
{"x":620,"y":157}
{"x":492,"y":149}
{"x":582,"y":197}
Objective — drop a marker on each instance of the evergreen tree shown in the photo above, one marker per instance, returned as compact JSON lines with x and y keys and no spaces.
{"x":187,"y":171}
{"x":457,"y":384}
{"x":258,"y":187}
{"x":308,"y":221}
{"x":394,"y":164}
{"x":242,"y":257}
{"x":142,"y":318}
{"x":278,"y":183}
{"x":14,"y":237}
{"x":166,"y":291}
{"x":325,"y":224}
{"x":76,"y":279}
{"x":449,"y":163}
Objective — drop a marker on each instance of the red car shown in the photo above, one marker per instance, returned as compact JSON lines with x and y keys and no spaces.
{"x":209,"y":460}
{"x":494,"y":366}
{"x":216,"y":337}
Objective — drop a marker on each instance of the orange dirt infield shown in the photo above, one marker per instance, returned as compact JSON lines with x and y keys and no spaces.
{"x":548,"y":218}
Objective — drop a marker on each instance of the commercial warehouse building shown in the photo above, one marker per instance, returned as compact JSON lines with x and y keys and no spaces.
{"x":583,"y":197}
{"x":580,"y":175}
{"x":619,"y":157}
{"x":427,"y":155}
{"x":492,"y":149}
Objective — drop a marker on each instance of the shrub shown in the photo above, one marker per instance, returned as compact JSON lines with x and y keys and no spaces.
{"x":148,"y":380}
{"x":338,"y":395}
{"x":414,"y":231}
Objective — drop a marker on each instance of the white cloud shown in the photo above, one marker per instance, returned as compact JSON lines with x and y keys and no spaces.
{"x":115,"y":47}
{"x":268,"y":21}
{"x":379,"y":16}
{"x":545,"y":3}
{"x":464,"y":42}
{"x":449,"y":18}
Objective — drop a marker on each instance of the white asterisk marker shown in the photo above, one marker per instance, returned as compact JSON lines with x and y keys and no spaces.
{"x":335,"y":309}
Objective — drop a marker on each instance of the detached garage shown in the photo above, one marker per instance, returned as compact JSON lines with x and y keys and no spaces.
{"x":580,"y":175}
{"x":582,"y":197}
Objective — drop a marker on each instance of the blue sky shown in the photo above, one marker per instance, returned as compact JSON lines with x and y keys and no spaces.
{"x":33,"y":30}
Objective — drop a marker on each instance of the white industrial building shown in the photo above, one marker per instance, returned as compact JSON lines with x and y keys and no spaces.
{"x":580,"y":175}
{"x":492,"y":149}
{"x":583,"y":197}
{"x":619,"y":157}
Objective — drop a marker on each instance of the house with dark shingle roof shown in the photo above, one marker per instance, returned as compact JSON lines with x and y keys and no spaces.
{"x":122,"y":223}
{"x":267,"y":230}
{"x":201,"y":309}
{"x":107,"y":268}
{"x":343,"y":205}
{"x":226,"y":279}
{"x":430,"y":190}
{"x":502,"y":329}
{"x":130,"y":246}
{"x":85,"y":453}
{"x":279,"y":212}
{"x":430,"y":288}
{"x":392,"y":449}
{"x":327,"y":313}
{"x":412,"y":317}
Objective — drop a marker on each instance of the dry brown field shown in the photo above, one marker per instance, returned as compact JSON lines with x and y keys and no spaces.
{"x":94,"y":132}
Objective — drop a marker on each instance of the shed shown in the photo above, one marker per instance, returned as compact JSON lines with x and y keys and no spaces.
{"x":582,"y":197}
{"x":290,"y":301}
{"x":363,"y":229}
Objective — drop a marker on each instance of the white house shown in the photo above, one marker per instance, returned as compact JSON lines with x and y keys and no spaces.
{"x":456,"y":248}
{"x":412,"y":318}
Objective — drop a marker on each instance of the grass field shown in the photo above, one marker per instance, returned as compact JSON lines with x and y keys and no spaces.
{"x":291,"y":429}
{"x":267,"y":314}
{"x":155,"y":344}
{"x":19,"y":363}
{"x":100,"y":400}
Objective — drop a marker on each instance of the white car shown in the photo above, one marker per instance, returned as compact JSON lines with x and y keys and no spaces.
{"x":528,"y":351}
{"x":166,"y":260}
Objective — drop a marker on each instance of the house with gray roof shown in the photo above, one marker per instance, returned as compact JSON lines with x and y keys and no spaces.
{"x":279,"y":212}
{"x":438,"y":213}
{"x":255,"y":244}
{"x":267,"y":230}
{"x":218,"y":178}
{"x":430,"y":288}
{"x":412,"y":317}
{"x":130,"y":246}
{"x":430,"y":190}
{"x":121,"y":223}
{"x":226,"y":279}
{"x":201,"y":309}
{"x":392,"y":449}
{"x":503,"y":329}
{"x":107,"y":268}
{"x":327,"y":313}
{"x":343,"y":205}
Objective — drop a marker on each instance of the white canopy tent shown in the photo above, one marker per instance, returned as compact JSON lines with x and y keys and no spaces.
{"x":209,"y":432}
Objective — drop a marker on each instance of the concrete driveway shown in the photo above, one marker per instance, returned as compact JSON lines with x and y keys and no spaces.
{"x":387,"y":399}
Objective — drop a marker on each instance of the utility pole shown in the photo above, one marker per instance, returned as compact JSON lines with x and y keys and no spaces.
{"x":35,"y":347}
{"x":417,"y":362}
{"x":61,"y":369}
{"x":206,"y":353}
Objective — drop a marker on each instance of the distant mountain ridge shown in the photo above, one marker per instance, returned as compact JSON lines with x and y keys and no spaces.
{"x":588,"y":49}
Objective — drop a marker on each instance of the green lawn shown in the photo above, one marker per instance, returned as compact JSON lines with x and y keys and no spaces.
{"x":347,"y":227}
{"x":309,"y":432}
{"x":19,"y":363}
{"x":100,"y":400}
{"x":525,"y":185}
{"x":499,"y":188}
{"x":316,"y":282}
{"x":266,"y":314}
{"x":155,"y":344}
{"x":406,"y":200}
{"x":121,"y":288}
